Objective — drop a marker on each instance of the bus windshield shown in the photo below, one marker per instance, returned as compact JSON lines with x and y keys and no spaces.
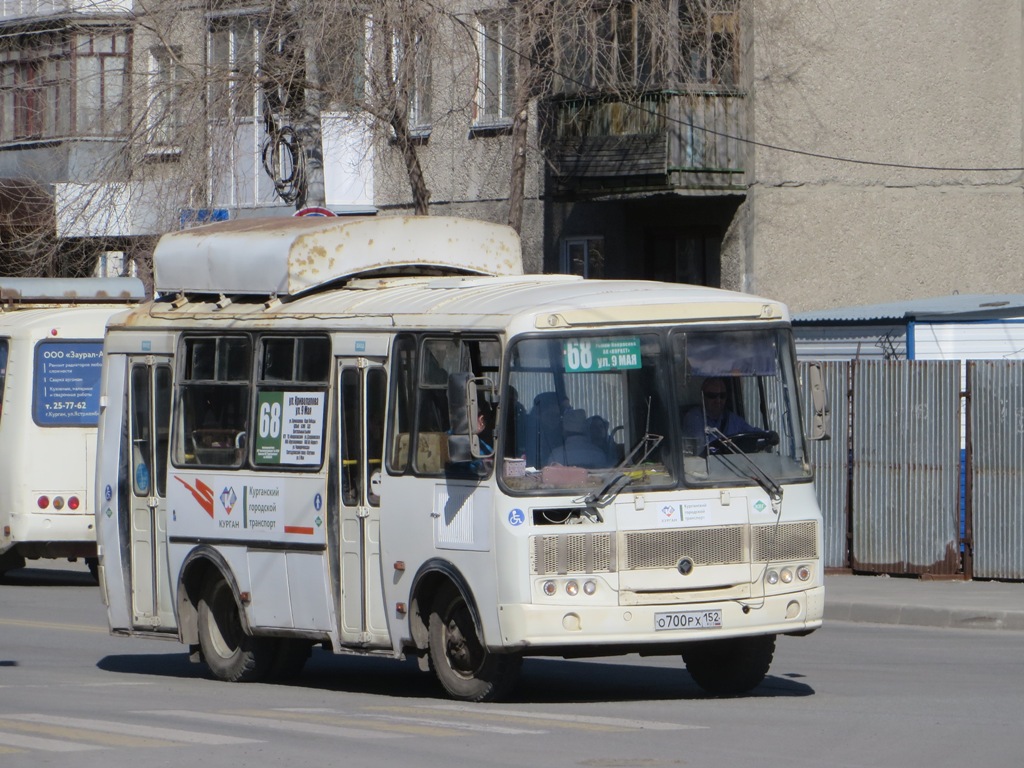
{"x":659,"y":408}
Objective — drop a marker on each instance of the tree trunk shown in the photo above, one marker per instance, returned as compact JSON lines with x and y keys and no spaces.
{"x":417,"y":181}
{"x":517,"y":178}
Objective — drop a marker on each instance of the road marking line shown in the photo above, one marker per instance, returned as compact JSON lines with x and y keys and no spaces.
{"x":46,"y":745}
{"x":435,"y":724}
{"x":482,"y":710}
{"x":131,"y":729}
{"x":53,"y":625}
{"x":331,"y":717}
{"x":268,"y":723}
{"x":60,"y":731}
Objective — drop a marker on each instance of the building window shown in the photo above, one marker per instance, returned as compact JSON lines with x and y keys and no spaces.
{"x":234,"y":43}
{"x":164,"y":117}
{"x":608,"y":48}
{"x":55,"y":85}
{"x":101,"y":74}
{"x":496,"y":91}
{"x":709,"y":35}
{"x":419,"y":86}
{"x":583,"y":256}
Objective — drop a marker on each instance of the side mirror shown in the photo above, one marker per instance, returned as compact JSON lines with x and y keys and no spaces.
{"x":821,"y":416}
{"x":463,"y":413}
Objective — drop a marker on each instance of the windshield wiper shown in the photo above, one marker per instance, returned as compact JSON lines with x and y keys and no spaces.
{"x":619,"y":476}
{"x":755,"y":473}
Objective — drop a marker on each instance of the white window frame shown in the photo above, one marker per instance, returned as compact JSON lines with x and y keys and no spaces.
{"x":164,"y":121}
{"x":496,"y":65}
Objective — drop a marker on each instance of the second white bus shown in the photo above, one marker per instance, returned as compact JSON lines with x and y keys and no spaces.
{"x":51,"y":341}
{"x":377,"y":435}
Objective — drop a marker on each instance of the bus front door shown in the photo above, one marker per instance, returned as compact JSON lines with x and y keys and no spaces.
{"x":361,"y":418}
{"x":149,"y":404}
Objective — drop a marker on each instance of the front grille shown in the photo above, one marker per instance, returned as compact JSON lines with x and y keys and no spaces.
{"x":572,"y":553}
{"x":640,"y":550}
{"x":789,"y":541}
{"x":664,"y":549}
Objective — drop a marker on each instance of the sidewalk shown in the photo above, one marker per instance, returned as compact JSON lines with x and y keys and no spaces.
{"x":930,"y":603}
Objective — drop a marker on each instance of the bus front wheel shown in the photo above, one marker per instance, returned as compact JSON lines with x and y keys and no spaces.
{"x":228,"y":651}
{"x":464,"y":667}
{"x":730,"y":667}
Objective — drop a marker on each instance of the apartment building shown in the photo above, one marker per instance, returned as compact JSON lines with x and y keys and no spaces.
{"x":823,"y":154}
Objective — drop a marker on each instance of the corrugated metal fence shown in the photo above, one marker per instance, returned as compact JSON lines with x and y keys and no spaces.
{"x":889,"y":480}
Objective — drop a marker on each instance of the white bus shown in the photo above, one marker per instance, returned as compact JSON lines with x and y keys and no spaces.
{"x":286,"y":459}
{"x":51,"y":340}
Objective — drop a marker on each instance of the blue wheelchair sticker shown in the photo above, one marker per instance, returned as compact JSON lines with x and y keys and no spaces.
{"x":516,"y":518}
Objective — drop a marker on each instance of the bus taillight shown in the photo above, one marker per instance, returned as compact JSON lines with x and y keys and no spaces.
{"x":73,"y":503}
{"x":43,"y":502}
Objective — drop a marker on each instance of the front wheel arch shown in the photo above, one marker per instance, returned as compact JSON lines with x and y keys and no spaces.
{"x":198,"y":566}
{"x":430,"y":579}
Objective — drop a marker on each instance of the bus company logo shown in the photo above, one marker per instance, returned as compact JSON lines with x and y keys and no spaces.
{"x":201,"y":492}
{"x":228,"y":499}
{"x":760,"y":506}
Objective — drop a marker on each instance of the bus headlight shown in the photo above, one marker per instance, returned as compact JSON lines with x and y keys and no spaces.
{"x":786,"y":576}
{"x":572,"y":589}
{"x":772,"y":577}
{"x":589,"y":587}
{"x":550,"y":588}
{"x":803,"y":573}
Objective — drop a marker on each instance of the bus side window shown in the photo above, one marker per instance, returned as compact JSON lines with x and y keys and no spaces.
{"x":215,"y":401}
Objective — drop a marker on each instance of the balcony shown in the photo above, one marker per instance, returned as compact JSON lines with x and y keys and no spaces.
{"x":663,"y":140}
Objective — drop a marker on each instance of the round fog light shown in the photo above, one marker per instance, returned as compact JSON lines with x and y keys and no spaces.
{"x":787,"y":576}
{"x":572,"y":589}
{"x":550,"y":588}
{"x":772,"y":577}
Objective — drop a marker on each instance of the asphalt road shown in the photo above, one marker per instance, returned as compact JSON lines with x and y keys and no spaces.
{"x":849,"y":695}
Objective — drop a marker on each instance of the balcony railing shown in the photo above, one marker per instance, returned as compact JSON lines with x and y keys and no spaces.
{"x":663,"y":139}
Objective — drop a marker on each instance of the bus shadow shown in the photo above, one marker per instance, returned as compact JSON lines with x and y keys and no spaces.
{"x":47,"y":577}
{"x":543,"y":680}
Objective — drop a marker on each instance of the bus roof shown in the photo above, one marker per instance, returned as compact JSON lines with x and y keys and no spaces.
{"x":513,"y":304}
{"x":290,"y":256}
{"x":59,"y":291}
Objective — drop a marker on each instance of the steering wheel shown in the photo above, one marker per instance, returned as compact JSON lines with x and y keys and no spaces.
{"x":747,"y":442}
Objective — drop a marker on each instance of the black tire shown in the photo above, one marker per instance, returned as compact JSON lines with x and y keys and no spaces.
{"x":230,"y":654}
{"x":730,"y":667}
{"x":290,"y":656}
{"x":463,"y":666}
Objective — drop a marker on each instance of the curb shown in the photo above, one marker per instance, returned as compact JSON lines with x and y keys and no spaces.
{"x":918,"y":616}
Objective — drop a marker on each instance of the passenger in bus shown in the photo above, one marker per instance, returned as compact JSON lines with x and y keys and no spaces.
{"x":485,"y":431}
{"x":579,"y":448}
{"x":544,"y":429}
{"x":713,"y":413}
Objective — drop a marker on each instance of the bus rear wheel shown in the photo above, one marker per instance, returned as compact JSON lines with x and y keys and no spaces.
{"x":463,"y":666}
{"x":730,"y":667}
{"x":228,"y":651}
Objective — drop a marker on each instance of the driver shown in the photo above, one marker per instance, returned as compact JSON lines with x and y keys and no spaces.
{"x":713,"y":414}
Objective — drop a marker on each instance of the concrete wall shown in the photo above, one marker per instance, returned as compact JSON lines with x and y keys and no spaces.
{"x":467,"y":174}
{"x":896,"y":83}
